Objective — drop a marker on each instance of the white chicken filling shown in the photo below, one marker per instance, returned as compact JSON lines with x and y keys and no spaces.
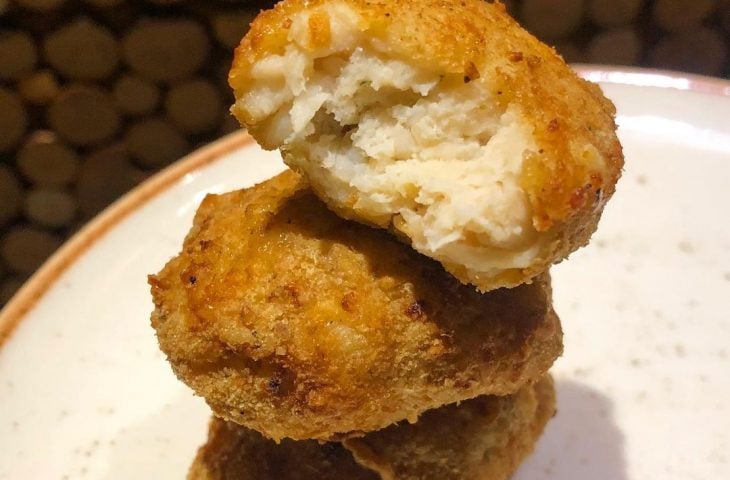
{"x":395,"y":142}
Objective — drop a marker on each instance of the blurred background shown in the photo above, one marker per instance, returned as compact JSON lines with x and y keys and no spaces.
{"x":97,"y":95}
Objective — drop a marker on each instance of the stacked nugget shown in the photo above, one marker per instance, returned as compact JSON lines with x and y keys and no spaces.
{"x":445,"y":123}
{"x":295,"y":323}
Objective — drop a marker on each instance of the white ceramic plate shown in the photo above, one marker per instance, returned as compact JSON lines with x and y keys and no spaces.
{"x":643,"y":386}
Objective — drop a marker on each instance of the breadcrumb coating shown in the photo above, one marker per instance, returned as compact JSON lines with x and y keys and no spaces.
{"x":442,"y":120}
{"x":233,"y":452}
{"x":483,"y":438}
{"x":297,"y":323}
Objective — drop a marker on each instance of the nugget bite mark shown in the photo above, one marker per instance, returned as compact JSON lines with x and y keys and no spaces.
{"x":294,"y":322}
{"x":440,"y":119}
{"x":487,"y":437}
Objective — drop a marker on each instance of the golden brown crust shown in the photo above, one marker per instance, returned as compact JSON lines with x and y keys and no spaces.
{"x":299,"y":324}
{"x":475,"y":40}
{"x":483,"y":438}
{"x":233,"y":452}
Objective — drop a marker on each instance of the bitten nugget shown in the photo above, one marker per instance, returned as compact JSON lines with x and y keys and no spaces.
{"x":482,"y":438}
{"x":296,"y":323}
{"x":442,"y":120}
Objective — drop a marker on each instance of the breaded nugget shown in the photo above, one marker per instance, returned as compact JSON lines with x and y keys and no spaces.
{"x":483,"y":438}
{"x":296,"y":323}
{"x":442,"y":120}
{"x":233,"y":452}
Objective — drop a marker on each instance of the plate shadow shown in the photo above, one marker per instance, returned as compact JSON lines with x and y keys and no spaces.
{"x":582,"y":441}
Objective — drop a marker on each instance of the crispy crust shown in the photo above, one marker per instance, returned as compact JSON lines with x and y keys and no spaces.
{"x":233,"y":452}
{"x":296,"y":323}
{"x":487,"y":438}
{"x":483,"y":438}
{"x":579,"y":158}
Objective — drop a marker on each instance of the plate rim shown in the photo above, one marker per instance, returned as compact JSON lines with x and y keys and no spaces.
{"x":16,"y":310}
{"x":653,"y":77}
{"x":62,"y":259}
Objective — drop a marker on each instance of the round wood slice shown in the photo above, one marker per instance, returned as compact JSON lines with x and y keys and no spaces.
{"x":155,"y":142}
{"x":25,"y":248}
{"x":105,"y":175}
{"x":50,"y":208}
{"x":82,"y":50}
{"x":166,"y":50}
{"x":136,"y":96}
{"x":39,"y":88}
{"x":84,"y":115}
{"x":195,"y":106}
{"x":13,"y":119}
{"x":17,"y":54}
{"x":46,"y":162}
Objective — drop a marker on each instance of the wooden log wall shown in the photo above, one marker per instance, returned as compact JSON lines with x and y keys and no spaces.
{"x":97,"y":95}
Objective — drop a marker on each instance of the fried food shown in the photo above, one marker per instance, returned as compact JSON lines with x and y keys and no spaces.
{"x":296,"y":323}
{"x":442,"y":120}
{"x":483,"y":438}
{"x":486,"y":437}
{"x":233,"y":452}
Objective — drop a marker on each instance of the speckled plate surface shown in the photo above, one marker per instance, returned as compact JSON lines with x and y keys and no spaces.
{"x":642,"y":387}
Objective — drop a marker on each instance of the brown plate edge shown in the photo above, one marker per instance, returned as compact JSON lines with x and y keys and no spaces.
{"x":42,"y":280}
